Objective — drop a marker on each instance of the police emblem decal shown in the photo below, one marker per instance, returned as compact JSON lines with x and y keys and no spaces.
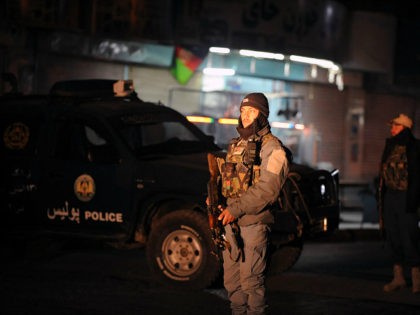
{"x":16,"y":136}
{"x":84,"y":187}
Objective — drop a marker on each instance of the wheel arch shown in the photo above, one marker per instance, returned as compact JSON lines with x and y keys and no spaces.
{"x":150,"y":211}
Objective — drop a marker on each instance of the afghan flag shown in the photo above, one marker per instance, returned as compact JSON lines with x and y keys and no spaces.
{"x":186,"y":61}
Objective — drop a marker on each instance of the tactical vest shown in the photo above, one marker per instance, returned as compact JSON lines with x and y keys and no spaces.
{"x":394,"y":170}
{"x":241,"y":169}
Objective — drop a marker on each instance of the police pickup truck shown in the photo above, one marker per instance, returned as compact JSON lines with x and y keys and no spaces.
{"x":84,"y":162}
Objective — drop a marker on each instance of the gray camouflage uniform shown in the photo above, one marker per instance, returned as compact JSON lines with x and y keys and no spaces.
{"x":244,"y":279}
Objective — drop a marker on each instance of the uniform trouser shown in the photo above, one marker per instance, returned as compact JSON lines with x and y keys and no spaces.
{"x":244,"y":280}
{"x":401,"y":230}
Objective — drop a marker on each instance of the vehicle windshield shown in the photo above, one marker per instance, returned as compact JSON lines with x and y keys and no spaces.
{"x":158,"y":136}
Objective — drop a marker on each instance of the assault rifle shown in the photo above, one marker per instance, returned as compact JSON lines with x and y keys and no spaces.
{"x":214,"y":200}
{"x":216,"y":227}
{"x":380,"y":203}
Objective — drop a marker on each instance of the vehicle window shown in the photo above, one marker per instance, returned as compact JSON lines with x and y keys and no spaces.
{"x":70,"y":143}
{"x":162,"y":132}
{"x":158,"y":137}
{"x":93,"y":137}
{"x":78,"y":141}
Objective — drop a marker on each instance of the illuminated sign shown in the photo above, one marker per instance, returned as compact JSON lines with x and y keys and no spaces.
{"x":228,"y":121}
{"x":200,"y":119}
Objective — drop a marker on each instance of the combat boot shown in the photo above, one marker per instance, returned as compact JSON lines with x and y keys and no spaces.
{"x":415,"y":277}
{"x":398,"y":282}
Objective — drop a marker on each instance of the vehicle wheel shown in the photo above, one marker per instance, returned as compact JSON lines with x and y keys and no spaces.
{"x":181,"y":252}
{"x":284,"y":257}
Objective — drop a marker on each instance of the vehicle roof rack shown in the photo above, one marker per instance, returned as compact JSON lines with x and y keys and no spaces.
{"x":83,"y":88}
{"x":89,"y":88}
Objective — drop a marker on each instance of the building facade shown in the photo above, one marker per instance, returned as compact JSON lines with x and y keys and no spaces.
{"x":344,"y":111}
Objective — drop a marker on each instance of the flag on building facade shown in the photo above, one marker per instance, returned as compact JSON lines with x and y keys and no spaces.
{"x":186,"y":61}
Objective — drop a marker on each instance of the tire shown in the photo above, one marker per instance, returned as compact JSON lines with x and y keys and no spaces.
{"x":181,"y":253}
{"x":284,"y":257}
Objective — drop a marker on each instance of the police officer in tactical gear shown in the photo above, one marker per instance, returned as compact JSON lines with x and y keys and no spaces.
{"x":400,"y":185}
{"x":253,"y":174}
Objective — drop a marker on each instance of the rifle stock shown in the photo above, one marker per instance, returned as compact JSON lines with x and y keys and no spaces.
{"x":214,"y":200}
{"x":216,"y":226}
{"x":380,"y":203}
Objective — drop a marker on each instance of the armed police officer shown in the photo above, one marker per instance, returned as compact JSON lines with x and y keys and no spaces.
{"x":400,"y":185}
{"x":253,"y":174}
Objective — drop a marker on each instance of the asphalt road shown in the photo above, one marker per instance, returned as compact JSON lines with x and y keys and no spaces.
{"x":340,"y":276}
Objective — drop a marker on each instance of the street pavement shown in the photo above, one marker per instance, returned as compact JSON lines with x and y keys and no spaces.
{"x":343,"y":275}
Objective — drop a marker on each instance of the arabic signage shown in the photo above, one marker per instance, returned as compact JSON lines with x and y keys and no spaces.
{"x":74,"y":214}
{"x":317,"y":28}
{"x":84,"y":189}
{"x":64,"y":213}
{"x":109,"y":48}
{"x":308,"y":27}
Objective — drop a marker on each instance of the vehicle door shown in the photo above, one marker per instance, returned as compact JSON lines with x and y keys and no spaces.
{"x":171,"y":154}
{"x":87,"y":181}
{"x":22,"y":124}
